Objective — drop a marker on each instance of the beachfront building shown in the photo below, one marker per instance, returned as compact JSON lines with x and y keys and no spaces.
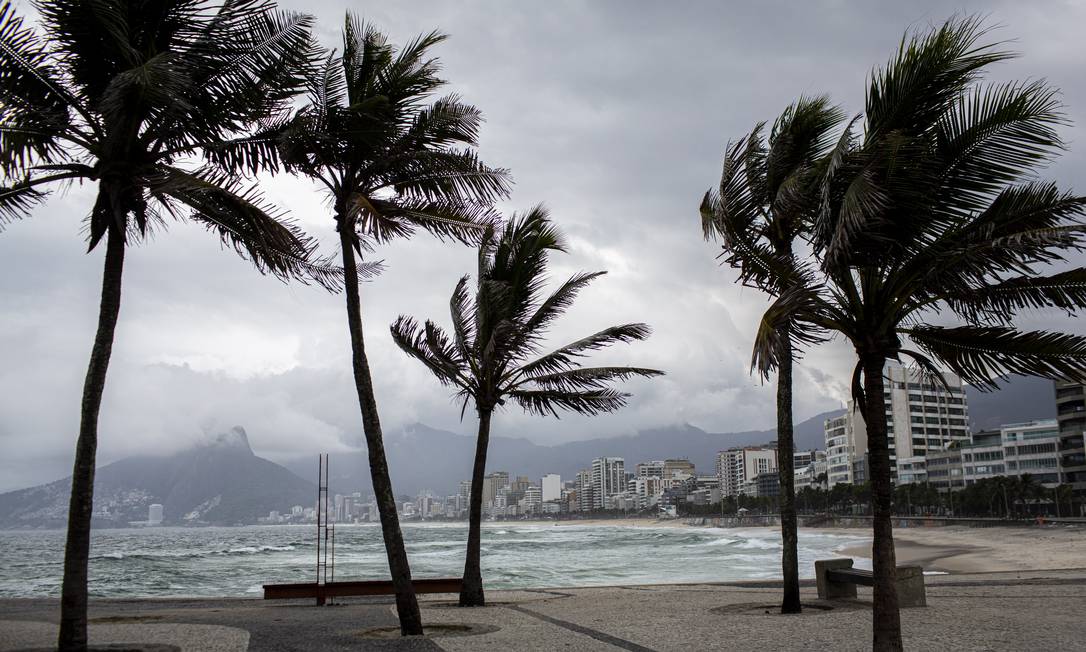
{"x":944,"y":469}
{"x":532,"y":501}
{"x":843,"y":441}
{"x":676,"y":471}
{"x":551,"y":485}
{"x":585,"y":499}
{"x":813,"y":473}
{"x":912,"y":470}
{"x":647,"y":489}
{"x":653,"y":469}
{"x":735,"y":466}
{"x":1014,"y":450}
{"x":764,"y":485}
{"x":492,"y":484}
{"x":1071,"y":417}
{"x":608,"y":479}
{"x":923,"y":416}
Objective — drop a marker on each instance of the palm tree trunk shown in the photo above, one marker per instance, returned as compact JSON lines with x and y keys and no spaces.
{"x":471,"y":593}
{"x":407,"y":605}
{"x":886,"y":620}
{"x":73,"y":597}
{"x":785,"y":465}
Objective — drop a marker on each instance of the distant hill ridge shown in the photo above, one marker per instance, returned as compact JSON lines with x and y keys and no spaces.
{"x":218,"y":482}
{"x":421,"y":457}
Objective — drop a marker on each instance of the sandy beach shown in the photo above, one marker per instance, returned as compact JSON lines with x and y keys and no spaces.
{"x":959,"y":549}
{"x":950,"y":549}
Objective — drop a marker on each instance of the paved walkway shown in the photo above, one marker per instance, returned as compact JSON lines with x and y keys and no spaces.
{"x":993,"y":611}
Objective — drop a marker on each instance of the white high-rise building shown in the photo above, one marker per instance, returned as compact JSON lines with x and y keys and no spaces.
{"x":922,"y":416}
{"x":533,"y":499}
{"x":154,"y":514}
{"x":585,"y":500}
{"x":608,"y":479}
{"x":552,"y":487}
{"x":736,"y":466}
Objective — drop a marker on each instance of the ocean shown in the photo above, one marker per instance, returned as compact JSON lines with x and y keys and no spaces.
{"x":236,"y":561}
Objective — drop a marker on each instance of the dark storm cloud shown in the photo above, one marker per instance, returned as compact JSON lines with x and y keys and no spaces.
{"x":613,"y":113}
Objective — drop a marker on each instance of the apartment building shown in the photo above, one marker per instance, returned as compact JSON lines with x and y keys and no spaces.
{"x":923,"y":416}
{"x":1071,"y":417}
{"x":608,"y":479}
{"x":735,"y":466}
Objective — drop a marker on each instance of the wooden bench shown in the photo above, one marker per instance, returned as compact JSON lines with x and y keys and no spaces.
{"x":344,"y":589}
{"x":836,"y":578}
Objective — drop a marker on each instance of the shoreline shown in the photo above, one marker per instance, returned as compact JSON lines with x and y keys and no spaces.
{"x":954,"y":549}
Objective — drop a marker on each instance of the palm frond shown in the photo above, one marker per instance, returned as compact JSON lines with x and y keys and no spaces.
{"x":380,"y":220}
{"x":1001,"y":300}
{"x":549,"y":402}
{"x":462,"y":312}
{"x":16,"y":201}
{"x":243,"y":221}
{"x":444,"y":174}
{"x":428,"y":344}
{"x":565,"y":357}
{"x":33,"y":102}
{"x":991,"y":137}
{"x":586,"y":378}
{"x":983,"y":354}
{"x":800,"y":317}
{"x":927,"y":76}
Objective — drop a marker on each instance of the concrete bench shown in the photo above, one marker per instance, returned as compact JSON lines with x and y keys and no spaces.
{"x":342,"y":589}
{"x":836,"y":578}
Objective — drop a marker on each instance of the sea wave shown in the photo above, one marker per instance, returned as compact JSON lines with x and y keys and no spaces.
{"x":723,"y":541}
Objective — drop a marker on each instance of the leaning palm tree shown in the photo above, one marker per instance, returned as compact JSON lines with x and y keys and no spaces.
{"x":494,"y":352}
{"x":392,"y":162}
{"x":131,"y":97}
{"x":933,"y":235}
{"x":768,"y":195}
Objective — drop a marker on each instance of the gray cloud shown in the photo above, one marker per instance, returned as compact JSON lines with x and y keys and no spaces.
{"x":613,"y":113}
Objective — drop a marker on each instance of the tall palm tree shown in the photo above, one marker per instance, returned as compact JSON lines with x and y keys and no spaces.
{"x":931,"y":218}
{"x":129,"y":96}
{"x":392,"y":161}
{"x":768,"y":194}
{"x":494,"y":352}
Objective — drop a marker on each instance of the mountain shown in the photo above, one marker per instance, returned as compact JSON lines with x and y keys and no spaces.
{"x":421,"y":457}
{"x":218,"y":482}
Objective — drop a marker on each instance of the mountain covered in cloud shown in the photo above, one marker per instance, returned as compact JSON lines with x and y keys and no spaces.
{"x":218,"y":482}
{"x":421,"y":457}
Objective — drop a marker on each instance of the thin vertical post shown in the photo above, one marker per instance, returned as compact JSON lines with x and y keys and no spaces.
{"x":322,"y":526}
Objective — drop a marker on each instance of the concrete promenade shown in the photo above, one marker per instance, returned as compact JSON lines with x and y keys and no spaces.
{"x":1040,"y":610}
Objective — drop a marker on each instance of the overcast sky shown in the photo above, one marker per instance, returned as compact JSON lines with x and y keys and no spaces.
{"x":614,"y":114}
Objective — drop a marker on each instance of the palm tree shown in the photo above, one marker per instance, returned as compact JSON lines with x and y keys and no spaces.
{"x":494,"y":352}
{"x":931,"y":218}
{"x":128,"y":96}
{"x":767,"y":196}
{"x":392,"y":162}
